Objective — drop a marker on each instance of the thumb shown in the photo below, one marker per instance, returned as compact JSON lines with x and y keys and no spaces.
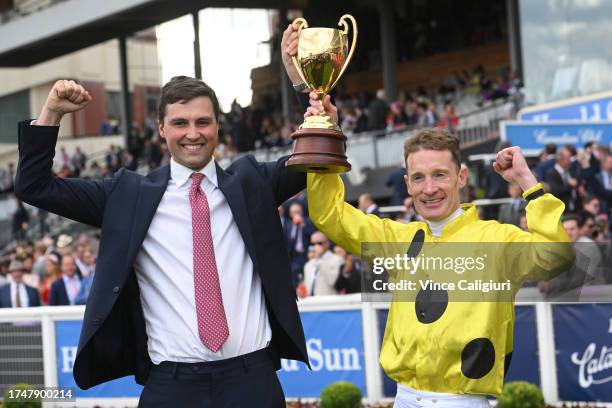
{"x":327,"y":103}
{"x":329,"y":107}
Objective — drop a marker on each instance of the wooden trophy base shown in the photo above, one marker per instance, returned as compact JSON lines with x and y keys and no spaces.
{"x":318,"y":151}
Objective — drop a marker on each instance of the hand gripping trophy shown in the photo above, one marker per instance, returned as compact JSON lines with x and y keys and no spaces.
{"x":322,"y":58}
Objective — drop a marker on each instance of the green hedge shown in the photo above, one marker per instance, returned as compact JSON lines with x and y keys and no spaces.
{"x":20,"y":403}
{"x":520,"y":394}
{"x":341,"y":395}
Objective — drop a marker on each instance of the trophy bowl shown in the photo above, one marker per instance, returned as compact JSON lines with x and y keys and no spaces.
{"x":323,"y":54}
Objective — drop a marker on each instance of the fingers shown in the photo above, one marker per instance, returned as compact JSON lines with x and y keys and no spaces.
{"x":60,"y":89}
{"x":315,"y":103}
{"x":497,"y":167}
{"x":312,"y":111}
{"x":504,"y":159}
{"x":292,"y":44}
{"x":289,"y":42}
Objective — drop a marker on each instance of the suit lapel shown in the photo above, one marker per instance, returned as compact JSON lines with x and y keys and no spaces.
{"x":150,"y":192}
{"x":229,"y":185}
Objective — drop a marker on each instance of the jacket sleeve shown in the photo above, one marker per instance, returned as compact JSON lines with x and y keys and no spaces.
{"x":342,"y":223}
{"x":283,"y":182}
{"x":555,"y":183}
{"x":34,"y":297}
{"x":35,"y":183}
{"x":545,"y":250}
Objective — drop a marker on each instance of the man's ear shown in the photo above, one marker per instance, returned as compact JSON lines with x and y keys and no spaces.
{"x":407,"y":185}
{"x":161,"y":129}
{"x":463,"y":177}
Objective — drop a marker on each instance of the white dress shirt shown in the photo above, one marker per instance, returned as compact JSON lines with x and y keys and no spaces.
{"x":164,"y":269}
{"x":23,"y":294}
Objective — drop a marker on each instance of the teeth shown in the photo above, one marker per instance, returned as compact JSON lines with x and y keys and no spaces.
{"x":192,"y":147}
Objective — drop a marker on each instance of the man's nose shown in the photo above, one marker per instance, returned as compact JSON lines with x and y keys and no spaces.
{"x":192,"y":131}
{"x":430,"y":186}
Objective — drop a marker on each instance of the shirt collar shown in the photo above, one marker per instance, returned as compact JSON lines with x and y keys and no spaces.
{"x":463,"y":216}
{"x":560,"y":169}
{"x":180,"y":174}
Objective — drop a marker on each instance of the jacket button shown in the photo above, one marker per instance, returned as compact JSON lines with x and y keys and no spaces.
{"x":96,"y":320}
{"x":116,"y":289}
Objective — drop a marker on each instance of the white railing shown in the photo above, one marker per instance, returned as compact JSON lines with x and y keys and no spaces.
{"x":47,"y":316}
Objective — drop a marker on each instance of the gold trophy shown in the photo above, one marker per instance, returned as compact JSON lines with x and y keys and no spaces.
{"x":323,"y":55}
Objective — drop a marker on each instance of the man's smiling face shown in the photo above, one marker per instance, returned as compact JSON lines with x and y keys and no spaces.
{"x":191,"y":131}
{"x":433,"y":180}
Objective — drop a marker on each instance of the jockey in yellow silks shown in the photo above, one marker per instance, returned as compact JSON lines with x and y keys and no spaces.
{"x":463,"y":347}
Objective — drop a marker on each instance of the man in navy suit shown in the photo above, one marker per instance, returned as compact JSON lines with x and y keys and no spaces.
{"x":192,"y":292}
{"x":16,"y":293}
{"x":65,"y":289}
{"x":298,"y":231}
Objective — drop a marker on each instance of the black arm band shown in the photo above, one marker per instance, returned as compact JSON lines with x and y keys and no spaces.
{"x":535,"y":194}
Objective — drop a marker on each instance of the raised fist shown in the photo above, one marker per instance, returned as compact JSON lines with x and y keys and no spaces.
{"x":65,"y":97}
{"x":512,"y":166}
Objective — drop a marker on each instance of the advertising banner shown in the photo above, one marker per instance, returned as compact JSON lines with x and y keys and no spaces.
{"x":334,"y":340}
{"x":583,"y":343}
{"x":534,"y":136}
{"x":67,"y":334}
{"x":593,"y":108}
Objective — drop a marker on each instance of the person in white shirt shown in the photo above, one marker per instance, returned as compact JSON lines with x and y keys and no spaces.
{"x":192,"y":291}
{"x":322,"y":271}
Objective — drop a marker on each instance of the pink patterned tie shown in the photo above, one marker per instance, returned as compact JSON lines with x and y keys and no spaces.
{"x":212,"y":323}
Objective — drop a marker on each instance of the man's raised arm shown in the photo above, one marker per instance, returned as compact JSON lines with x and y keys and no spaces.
{"x":35,"y":183}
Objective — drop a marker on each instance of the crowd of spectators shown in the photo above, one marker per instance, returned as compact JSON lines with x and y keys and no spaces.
{"x":581,"y":178}
{"x":48,"y":272}
{"x":262,"y":126}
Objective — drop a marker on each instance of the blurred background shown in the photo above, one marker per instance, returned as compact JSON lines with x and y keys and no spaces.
{"x":532,"y":73}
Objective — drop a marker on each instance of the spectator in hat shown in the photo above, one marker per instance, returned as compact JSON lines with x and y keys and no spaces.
{"x":16,"y":293}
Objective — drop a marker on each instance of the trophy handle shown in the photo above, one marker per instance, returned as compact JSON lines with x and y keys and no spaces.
{"x":342,"y":22}
{"x":300,"y":23}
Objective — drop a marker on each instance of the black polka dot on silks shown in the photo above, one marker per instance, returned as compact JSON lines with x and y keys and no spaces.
{"x":477,"y":358}
{"x":417,"y":244}
{"x":430,"y":305}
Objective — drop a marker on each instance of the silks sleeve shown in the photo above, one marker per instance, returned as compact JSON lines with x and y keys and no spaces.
{"x":545,"y":250}
{"x":339,"y":221}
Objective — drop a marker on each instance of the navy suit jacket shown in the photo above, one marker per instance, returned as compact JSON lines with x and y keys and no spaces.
{"x":113,"y":339}
{"x":5,"y":296}
{"x":58,"y":295}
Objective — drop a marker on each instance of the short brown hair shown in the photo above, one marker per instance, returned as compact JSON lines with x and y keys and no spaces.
{"x":433,"y":139}
{"x":183,"y":89}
